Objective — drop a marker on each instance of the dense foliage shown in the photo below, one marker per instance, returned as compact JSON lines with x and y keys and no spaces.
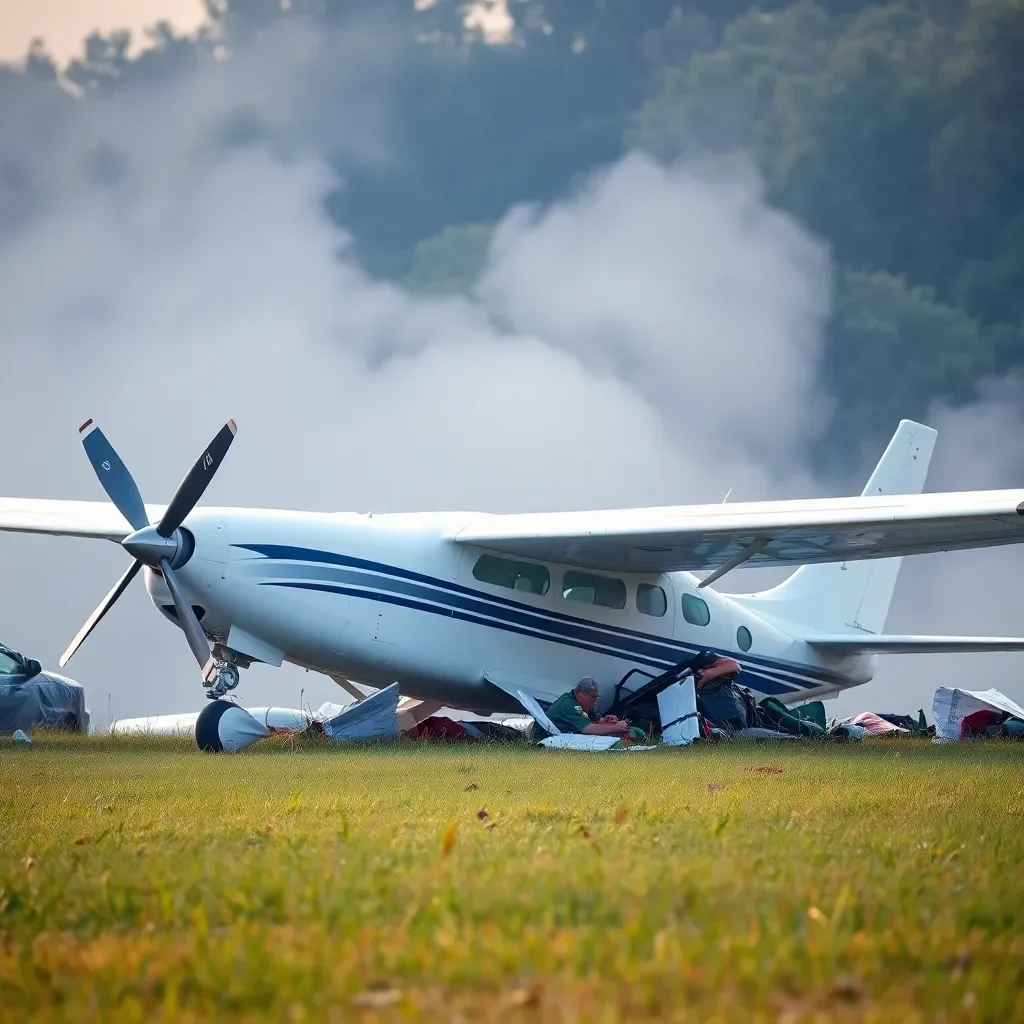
{"x":892,"y":130}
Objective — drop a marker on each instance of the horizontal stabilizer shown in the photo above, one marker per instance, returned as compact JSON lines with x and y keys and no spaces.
{"x":866,"y":643}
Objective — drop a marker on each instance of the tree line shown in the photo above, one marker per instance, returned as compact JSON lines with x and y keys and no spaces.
{"x":892,"y":130}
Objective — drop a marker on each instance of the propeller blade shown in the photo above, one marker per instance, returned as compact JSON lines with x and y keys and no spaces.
{"x":191,"y":489}
{"x":104,"y":606}
{"x":114,"y":476}
{"x":186,"y":617}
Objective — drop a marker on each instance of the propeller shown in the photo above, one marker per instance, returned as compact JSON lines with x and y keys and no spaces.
{"x":162,"y":547}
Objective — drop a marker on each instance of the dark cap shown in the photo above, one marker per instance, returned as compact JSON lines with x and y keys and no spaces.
{"x":702,"y":660}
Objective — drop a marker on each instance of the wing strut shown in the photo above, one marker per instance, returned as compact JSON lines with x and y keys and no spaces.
{"x":738,"y":559}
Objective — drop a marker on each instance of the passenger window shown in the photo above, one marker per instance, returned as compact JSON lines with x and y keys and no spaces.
{"x":587,"y":589}
{"x":695,"y":610}
{"x":651,"y":600}
{"x":743,"y":638}
{"x":525,"y":577}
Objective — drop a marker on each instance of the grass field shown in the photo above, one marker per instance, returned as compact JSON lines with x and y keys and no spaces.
{"x":873,"y":881}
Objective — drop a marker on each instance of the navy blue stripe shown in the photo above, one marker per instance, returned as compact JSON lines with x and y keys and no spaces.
{"x":284,"y":551}
{"x":521,"y":614}
{"x":649,"y":645}
{"x":764,"y":684}
{"x":449,"y":613}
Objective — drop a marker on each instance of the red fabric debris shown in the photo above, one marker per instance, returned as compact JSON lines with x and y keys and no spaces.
{"x":436,"y":728}
{"x":977,"y":723}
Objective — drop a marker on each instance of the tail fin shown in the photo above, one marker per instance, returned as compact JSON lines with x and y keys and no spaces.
{"x":837,"y":598}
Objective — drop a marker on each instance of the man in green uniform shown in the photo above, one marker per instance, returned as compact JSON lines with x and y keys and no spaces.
{"x":574,"y":712}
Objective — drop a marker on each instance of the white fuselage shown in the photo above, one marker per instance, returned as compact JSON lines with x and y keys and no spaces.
{"x":376,"y":599}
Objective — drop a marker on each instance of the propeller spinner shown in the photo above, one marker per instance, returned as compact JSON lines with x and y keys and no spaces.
{"x":163,"y":547}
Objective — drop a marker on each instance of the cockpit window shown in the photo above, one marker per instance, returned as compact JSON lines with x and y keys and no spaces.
{"x":525,"y":577}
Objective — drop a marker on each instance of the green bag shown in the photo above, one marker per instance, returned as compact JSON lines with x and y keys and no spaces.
{"x":773,"y":714}
{"x":812,"y":712}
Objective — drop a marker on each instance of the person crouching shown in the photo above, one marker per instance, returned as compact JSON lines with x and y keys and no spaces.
{"x":576,"y":712}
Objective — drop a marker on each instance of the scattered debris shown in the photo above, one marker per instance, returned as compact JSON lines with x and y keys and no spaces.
{"x":157,"y":725}
{"x":223,"y":726}
{"x":875,"y":724}
{"x":372,"y":718}
{"x":975,"y":714}
{"x":522,"y":997}
{"x":377,"y":998}
{"x":847,"y":992}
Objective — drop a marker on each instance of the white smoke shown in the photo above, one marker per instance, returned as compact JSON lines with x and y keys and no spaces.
{"x":961,"y":593}
{"x":653,"y":338}
{"x":683,"y":282}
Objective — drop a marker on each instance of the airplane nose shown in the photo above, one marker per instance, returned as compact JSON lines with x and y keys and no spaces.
{"x":148,"y":546}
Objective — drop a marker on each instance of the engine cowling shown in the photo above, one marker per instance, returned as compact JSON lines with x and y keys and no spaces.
{"x":161,"y":596}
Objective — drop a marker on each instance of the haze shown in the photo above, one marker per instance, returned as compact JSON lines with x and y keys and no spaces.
{"x":600,"y":361}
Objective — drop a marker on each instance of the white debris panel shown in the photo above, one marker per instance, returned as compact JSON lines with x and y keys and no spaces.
{"x":950,"y":706}
{"x":223,"y":725}
{"x":157,"y":725}
{"x":373,"y":718}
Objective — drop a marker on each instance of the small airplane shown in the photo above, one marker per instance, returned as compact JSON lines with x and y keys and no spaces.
{"x":468,"y":609}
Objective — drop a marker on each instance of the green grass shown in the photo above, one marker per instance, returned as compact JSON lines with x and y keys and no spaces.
{"x":875,"y":881}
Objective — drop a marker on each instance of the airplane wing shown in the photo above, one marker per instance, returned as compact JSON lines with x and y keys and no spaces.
{"x":97,"y":519}
{"x":699,"y":538}
{"x":867,"y":644}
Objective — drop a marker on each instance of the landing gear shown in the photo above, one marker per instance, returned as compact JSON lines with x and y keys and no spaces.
{"x":223,"y":678}
{"x":221,"y":672}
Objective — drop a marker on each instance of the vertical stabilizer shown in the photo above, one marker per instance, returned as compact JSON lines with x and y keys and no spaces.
{"x":838,"y":597}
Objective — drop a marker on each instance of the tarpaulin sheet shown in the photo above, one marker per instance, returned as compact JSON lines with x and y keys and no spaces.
{"x":45,"y":701}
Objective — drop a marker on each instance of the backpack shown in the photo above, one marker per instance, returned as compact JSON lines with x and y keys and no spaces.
{"x":725,"y":704}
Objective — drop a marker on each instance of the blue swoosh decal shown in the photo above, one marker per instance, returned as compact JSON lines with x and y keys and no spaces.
{"x":461,"y":602}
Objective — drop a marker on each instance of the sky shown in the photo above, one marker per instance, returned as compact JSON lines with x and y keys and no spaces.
{"x":159,"y":305}
{"x":63,"y":24}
